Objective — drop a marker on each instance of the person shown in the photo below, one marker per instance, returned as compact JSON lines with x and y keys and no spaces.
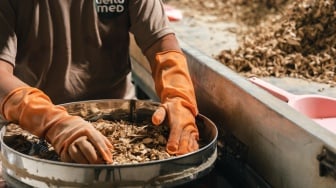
{"x":59,"y":51}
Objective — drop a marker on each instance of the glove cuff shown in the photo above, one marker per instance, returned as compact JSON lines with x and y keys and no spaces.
{"x":11,"y":99}
{"x":172,"y":79}
{"x":31,"y":109}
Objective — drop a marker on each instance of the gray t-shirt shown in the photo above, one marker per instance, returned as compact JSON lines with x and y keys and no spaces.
{"x":77,"y":49}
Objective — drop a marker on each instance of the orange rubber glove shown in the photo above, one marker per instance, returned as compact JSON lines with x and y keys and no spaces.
{"x":73,"y":138}
{"x":176,"y":91}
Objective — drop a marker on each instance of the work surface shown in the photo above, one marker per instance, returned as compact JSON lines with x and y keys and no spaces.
{"x":210,"y":36}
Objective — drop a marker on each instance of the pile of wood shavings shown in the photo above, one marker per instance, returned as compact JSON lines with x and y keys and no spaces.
{"x":298,"y":44}
{"x":132,"y":143}
{"x":277,"y":38}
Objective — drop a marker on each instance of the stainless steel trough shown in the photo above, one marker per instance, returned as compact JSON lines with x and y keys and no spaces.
{"x":271,"y":143}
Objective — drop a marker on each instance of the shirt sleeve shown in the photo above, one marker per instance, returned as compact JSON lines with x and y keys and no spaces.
{"x":148,"y":22}
{"x":8,"y":39}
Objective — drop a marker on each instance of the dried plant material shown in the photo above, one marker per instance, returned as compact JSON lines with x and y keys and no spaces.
{"x":298,"y":42}
{"x":26,"y":143}
{"x":133,"y":143}
{"x":278,"y":38}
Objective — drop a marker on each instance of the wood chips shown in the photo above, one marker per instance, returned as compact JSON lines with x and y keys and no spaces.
{"x":278,"y":38}
{"x":133,"y":143}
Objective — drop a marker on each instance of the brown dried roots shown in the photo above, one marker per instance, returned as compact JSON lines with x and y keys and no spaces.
{"x":133,"y":143}
{"x":298,"y":42}
{"x":277,"y":38}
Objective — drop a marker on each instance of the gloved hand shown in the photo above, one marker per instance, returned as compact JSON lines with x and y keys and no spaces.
{"x":176,"y":91}
{"x":73,"y":138}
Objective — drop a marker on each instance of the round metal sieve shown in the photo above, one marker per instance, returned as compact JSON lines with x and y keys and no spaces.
{"x":21,"y":170}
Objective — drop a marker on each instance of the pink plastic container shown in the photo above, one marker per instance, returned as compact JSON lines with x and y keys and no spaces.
{"x":320,"y":108}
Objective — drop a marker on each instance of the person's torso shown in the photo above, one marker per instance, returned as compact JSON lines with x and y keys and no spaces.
{"x":64,"y":50}
{"x":77,"y":49}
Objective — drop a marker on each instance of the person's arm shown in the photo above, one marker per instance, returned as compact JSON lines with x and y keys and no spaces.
{"x":8,"y":82}
{"x":73,"y":138}
{"x":175,"y":89}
